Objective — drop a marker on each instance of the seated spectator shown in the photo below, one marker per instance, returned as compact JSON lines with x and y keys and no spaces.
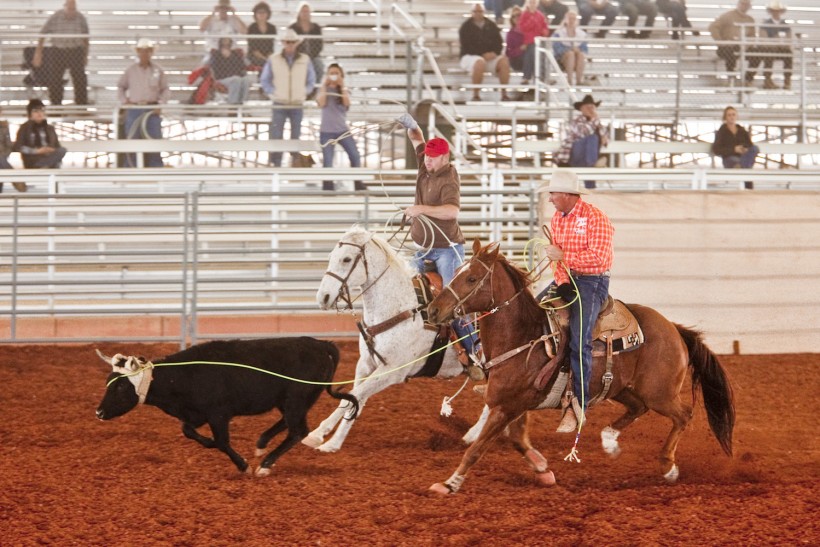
{"x":222,"y":22}
{"x":734,"y":145}
{"x":498,"y":7}
{"x":632,"y":9}
{"x":570,"y":48}
{"x":6,"y":148}
{"x":588,"y":8}
{"x":144,"y":83}
{"x":37,"y":140}
{"x":228,"y":66}
{"x":585,"y":136}
{"x":334,"y":100}
{"x":312,"y":42}
{"x":515,"y":42}
{"x":259,"y":49}
{"x":533,"y":25}
{"x":776,"y":31}
{"x":676,"y":11}
{"x":554,"y":9}
{"x":481,"y":51}
{"x":728,"y":27}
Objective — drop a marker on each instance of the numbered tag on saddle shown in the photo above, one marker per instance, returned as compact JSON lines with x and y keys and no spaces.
{"x":617,"y":326}
{"x":427,"y":286}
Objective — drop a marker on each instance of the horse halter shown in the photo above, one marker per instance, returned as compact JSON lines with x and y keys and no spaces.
{"x":457,"y":307}
{"x":344,"y":290}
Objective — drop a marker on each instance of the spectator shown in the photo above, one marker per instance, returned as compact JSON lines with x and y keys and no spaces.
{"x":533,"y":25}
{"x":588,"y":8}
{"x":334,"y":100}
{"x":67,"y":53}
{"x":37,"y":140}
{"x":570,"y":49}
{"x":144,"y":83}
{"x":554,"y":9}
{"x":312,"y":45}
{"x":776,"y":30}
{"x":729,"y":27}
{"x":223,"y":21}
{"x":228,"y":67}
{"x":734,"y":145}
{"x":288,"y":78}
{"x":481,"y":50}
{"x":259,"y":49}
{"x":498,"y":7}
{"x":632,"y":9}
{"x":585,"y":136}
{"x":676,"y":11}
{"x":6,"y":148}
{"x":515,"y":41}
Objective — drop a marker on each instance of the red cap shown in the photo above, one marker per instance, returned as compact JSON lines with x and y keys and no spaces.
{"x":436,"y":147}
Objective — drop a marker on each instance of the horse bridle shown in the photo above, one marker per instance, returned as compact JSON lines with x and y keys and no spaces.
{"x":457,"y":307}
{"x":344,"y":290}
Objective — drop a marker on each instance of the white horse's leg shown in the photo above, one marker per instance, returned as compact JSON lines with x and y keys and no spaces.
{"x":473,"y":433}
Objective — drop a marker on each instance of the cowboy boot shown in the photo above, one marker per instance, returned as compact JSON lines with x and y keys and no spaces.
{"x":768,"y":83}
{"x":568,"y":421}
{"x":787,"y":80}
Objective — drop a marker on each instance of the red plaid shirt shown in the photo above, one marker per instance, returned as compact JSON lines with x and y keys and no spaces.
{"x":585,"y":236}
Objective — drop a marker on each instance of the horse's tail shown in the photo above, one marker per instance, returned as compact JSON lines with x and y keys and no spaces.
{"x":708,"y":373}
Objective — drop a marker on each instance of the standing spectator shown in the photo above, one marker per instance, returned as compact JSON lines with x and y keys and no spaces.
{"x":334,"y":100}
{"x":554,"y":9}
{"x":570,"y":48}
{"x":67,"y":53}
{"x":779,"y":33}
{"x":676,"y":10}
{"x":729,"y":27}
{"x":228,"y":67}
{"x":533,"y":25}
{"x":588,"y":8}
{"x":144,"y":83}
{"x":37,"y":140}
{"x":734,"y":145}
{"x":585,"y":136}
{"x":312,"y":42}
{"x":6,"y":148}
{"x":288,"y":78}
{"x":223,"y":21}
{"x":515,"y":41}
{"x":259,"y":49}
{"x":481,"y":51}
{"x":632,"y":9}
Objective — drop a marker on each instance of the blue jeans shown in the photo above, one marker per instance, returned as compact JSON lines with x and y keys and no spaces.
{"x":4,"y":164}
{"x":347,"y":143}
{"x":593,"y":291}
{"x":277,"y":128}
{"x":528,"y":68}
{"x":745,"y":161}
{"x":498,"y":6}
{"x":585,"y":151}
{"x":586,"y":10}
{"x":447,"y":259}
{"x":153,"y":130}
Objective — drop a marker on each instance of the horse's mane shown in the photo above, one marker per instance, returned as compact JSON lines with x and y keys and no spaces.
{"x":522,"y":281}
{"x":361,"y":236}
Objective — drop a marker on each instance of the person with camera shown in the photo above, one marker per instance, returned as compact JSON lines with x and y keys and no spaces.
{"x":223,"y":21}
{"x":334,"y":100}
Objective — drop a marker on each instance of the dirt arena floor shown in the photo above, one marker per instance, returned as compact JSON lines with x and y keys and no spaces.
{"x":68,"y":479}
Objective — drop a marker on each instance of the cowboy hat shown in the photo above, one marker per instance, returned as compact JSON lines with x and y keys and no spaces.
{"x":586,"y":100}
{"x":290,"y":36}
{"x":776,"y":5}
{"x":562,"y":180}
{"x":145,"y":43}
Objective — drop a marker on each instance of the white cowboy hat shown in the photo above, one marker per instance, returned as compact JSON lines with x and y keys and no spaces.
{"x":290,"y":36}
{"x":776,"y":5}
{"x":145,"y":43}
{"x":563,"y":180}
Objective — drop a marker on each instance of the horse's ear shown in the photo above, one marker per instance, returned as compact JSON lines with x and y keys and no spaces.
{"x":476,"y":245}
{"x":493,"y":250}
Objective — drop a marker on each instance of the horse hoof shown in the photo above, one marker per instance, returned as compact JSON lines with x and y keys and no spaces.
{"x":440,"y":489}
{"x":547,"y":478}
{"x":260,"y":452}
{"x":313,"y":441}
{"x":262,"y":471}
{"x":609,"y":441}
{"x":672,"y":475}
{"x":327,"y":448}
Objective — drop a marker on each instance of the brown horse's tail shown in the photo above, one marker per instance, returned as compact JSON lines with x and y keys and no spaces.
{"x":708,"y":373}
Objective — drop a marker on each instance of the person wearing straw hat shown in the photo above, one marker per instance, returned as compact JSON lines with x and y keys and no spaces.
{"x":775,"y":29}
{"x":288,"y":77}
{"x":585,"y":135}
{"x":145,"y":84}
{"x":581,"y":247}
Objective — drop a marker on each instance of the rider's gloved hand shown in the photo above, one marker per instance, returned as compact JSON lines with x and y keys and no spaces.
{"x":566,"y":291}
{"x":407,"y":121}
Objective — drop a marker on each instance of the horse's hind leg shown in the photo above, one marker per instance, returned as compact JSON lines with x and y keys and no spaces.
{"x":520,"y":437}
{"x":635,"y":408}
{"x":681,"y":414}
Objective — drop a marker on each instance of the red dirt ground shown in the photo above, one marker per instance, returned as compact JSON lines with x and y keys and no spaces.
{"x":68,"y":479}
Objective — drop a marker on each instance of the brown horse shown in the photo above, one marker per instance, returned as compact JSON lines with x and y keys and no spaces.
{"x":649,"y":377}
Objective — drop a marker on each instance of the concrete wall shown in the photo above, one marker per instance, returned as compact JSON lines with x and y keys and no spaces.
{"x":743,"y":267}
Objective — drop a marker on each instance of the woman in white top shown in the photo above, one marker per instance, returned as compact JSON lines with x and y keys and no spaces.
{"x":570,"y":48}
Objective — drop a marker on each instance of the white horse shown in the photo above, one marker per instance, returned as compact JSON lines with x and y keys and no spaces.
{"x":365,"y":262}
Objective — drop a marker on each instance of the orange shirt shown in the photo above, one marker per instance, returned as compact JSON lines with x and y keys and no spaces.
{"x":585,"y":236}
